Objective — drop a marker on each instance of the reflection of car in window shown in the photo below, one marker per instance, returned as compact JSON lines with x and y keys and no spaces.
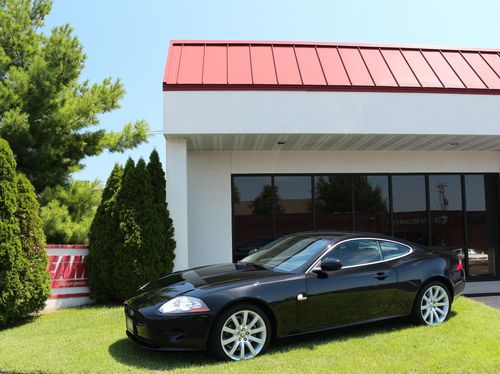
{"x":255,"y":243}
{"x":476,"y":258}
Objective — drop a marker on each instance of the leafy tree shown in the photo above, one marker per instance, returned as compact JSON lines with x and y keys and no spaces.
{"x":46,"y":111}
{"x":162,"y":243}
{"x":34,"y":276}
{"x":11,"y":259}
{"x":133,"y":205}
{"x":67,"y":211}
{"x":103,"y":240}
{"x":24,"y":282}
{"x":263,"y":204}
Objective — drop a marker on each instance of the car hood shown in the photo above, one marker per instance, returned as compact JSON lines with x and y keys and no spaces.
{"x":202,"y":278}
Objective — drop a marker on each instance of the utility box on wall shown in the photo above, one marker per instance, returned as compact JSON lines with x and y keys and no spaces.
{"x":68,"y":276}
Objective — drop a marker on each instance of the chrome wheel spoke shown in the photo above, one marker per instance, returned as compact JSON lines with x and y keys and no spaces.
{"x":229,"y":330}
{"x":254,"y":321}
{"x":257,"y":330}
{"x":242,"y":350}
{"x":235,"y":321}
{"x":245,"y":318}
{"x":251,"y":348}
{"x":230,"y":340}
{"x":257,"y":340}
{"x":233,"y":348}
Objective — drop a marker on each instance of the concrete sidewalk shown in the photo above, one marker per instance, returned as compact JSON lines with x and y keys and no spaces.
{"x":486,"y":288}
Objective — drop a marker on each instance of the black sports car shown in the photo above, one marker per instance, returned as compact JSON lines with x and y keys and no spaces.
{"x":300,"y":283}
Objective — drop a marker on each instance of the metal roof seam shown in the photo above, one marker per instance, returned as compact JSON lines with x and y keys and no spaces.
{"x":388,"y":67}
{"x":320,"y":64}
{"x":179,"y":67}
{"x":251,"y":66}
{"x":411,"y":69}
{"x":474,"y":70}
{"x":203,"y":64}
{"x":489,"y":65}
{"x":298,"y":66}
{"x":366,"y":66}
{"x":433,"y":71}
{"x":454,"y":71}
{"x":227,"y":63}
{"x":343,"y":64}
{"x":274,"y":64}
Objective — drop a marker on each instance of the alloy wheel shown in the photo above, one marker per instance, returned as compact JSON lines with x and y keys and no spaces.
{"x":243,"y":335}
{"x":435,"y":305}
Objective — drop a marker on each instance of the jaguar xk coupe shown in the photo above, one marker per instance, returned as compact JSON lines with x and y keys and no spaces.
{"x":298,"y":284}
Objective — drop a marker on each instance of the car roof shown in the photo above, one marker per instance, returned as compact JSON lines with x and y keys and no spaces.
{"x":337,"y":235}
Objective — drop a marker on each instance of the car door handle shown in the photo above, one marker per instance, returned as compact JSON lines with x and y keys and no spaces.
{"x":381,"y":275}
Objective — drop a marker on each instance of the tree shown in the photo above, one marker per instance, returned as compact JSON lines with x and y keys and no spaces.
{"x":24,"y":282}
{"x":67,"y":211}
{"x":163,"y":242}
{"x":33,"y":276}
{"x":11,"y":259}
{"x":133,"y":205}
{"x":46,"y":110}
{"x":263,"y":204}
{"x":103,"y":240}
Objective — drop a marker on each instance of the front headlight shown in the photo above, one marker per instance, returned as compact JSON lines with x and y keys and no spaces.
{"x":184,"y":304}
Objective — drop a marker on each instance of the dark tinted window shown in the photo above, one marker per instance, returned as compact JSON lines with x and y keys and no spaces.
{"x":356,"y":252}
{"x":481,"y":206}
{"x":371,"y":203}
{"x":253,"y":205}
{"x":293,"y":206}
{"x":392,"y":250}
{"x":410,"y":208}
{"x":333,"y":202}
{"x":447,"y":217}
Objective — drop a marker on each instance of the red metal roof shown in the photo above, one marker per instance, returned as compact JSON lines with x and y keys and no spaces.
{"x":259,"y":65}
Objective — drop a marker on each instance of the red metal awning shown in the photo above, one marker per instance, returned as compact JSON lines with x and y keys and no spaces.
{"x":261,"y":65}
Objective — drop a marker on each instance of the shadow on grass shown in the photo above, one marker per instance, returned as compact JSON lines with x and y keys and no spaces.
{"x":128,"y":353}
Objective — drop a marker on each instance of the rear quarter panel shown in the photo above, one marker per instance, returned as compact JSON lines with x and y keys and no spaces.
{"x":413,"y":272}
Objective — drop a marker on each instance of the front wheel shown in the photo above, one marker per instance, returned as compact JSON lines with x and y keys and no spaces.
{"x":240,"y":333}
{"x":432,"y":305}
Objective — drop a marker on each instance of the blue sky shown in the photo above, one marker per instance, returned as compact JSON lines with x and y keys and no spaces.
{"x":129,"y":39}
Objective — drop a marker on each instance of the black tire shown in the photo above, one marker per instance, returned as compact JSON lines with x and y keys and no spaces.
{"x":214,"y":342}
{"x":417,"y":313}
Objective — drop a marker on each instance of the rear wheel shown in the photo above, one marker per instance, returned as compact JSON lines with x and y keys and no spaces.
{"x":432,"y":305}
{"x":241,"y":333}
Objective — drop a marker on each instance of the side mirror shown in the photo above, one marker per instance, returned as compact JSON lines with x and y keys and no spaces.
{"x":331,"y":264}
{"x":252,"y":251}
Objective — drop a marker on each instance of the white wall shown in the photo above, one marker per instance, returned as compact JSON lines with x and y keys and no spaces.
{"x":209,"y":179}
{"x":313,"y":112}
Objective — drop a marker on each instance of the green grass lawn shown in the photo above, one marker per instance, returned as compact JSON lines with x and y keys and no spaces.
{"x":92,"y":340}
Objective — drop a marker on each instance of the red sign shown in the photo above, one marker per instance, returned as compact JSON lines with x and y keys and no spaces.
{"x":67,"y":271}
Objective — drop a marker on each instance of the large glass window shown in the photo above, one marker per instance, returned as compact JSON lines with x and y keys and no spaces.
{"x":482,"y":224}
{"x":293,"y":205}
{"x":333,"y":202}
{"x":371,"y":203}
{"x":440,"y":210}
{"x":253,"y":199}
{"x":447,"y":216}
{"x":410,"y":208}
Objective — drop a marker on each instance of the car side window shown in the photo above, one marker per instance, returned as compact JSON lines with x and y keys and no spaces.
{"x":392,"y":250}
{"x":356,"y":252}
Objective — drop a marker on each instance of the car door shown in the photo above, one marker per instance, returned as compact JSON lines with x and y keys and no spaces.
{"x":361,"y":290}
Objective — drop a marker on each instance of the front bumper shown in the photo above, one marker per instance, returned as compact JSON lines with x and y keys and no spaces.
{"x":182,"y":332}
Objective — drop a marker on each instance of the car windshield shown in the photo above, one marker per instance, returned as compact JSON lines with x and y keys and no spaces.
{"x":287,"y":254}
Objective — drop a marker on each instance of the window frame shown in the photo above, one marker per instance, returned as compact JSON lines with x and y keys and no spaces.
{"x":316,"y":264}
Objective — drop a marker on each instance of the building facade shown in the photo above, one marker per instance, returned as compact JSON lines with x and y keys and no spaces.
{"x":269,"y":138}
